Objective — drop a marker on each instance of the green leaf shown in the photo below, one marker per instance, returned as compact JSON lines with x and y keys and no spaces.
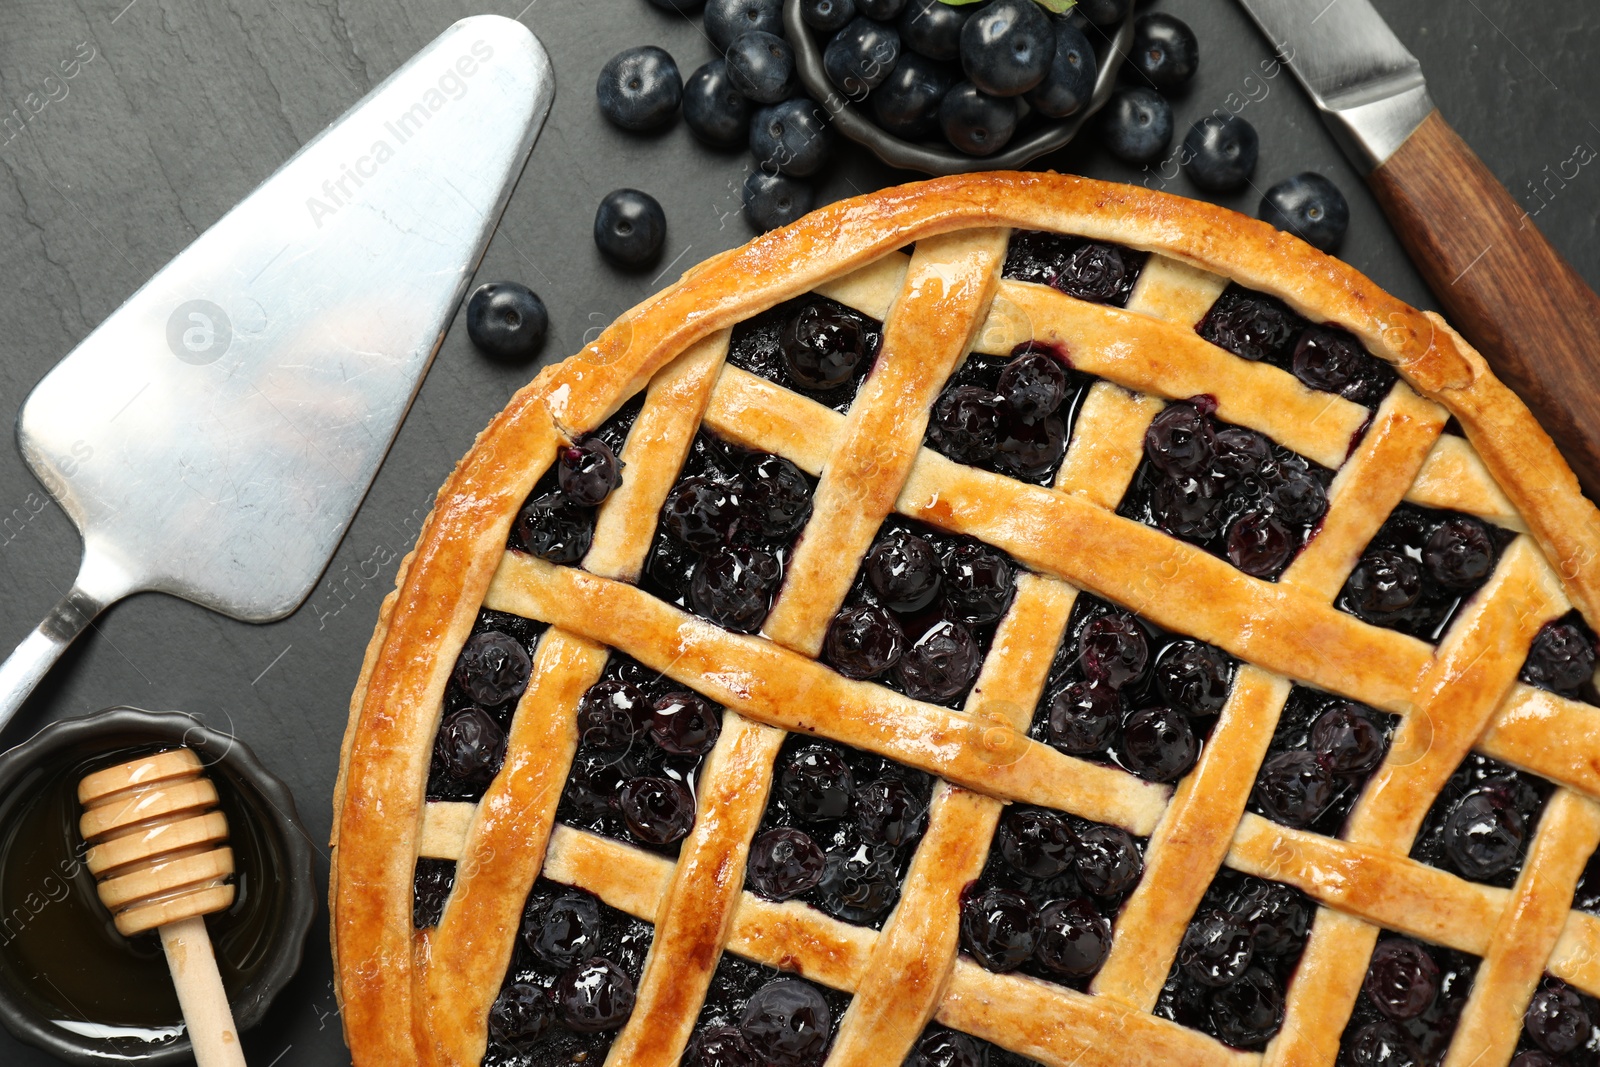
{"x":963,"y":3}
{"x":1060,"y":7}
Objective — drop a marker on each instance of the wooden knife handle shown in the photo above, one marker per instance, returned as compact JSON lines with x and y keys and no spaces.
{"x":1501,"y":284}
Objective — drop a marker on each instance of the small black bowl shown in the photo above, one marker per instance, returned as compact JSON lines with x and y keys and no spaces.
{"x":859,"y":127}
{"x":54,"y":932}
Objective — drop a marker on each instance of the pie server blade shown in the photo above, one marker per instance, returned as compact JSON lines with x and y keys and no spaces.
{"x":213,"y":437}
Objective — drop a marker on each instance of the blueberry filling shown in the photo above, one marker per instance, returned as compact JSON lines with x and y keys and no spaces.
{"x":1559,"y":1027}
{"x":430,"y":887}
{"x":1587,"y":896}
{"x":1123,"y":690}
{"x":839,"y":830}
{"x":1011,"y":415}
{"x":1562,"y":659}
{"x":490,"y":676}
{"x":556,"y":522}
{"x":641,"y":741}
{"x":922,"y":612}
{"x":727,"y":532}
{"x":1420,"y":567}
{"x":1229,"y":490}
{"x":1089,"y":270}
{"x":1482,"y":822}
{"x":572,"y":981}
{"x":1410,"y":1001}
{"x":755,"y":1016}
{"x":1323,"y":752}
{"x":811,"y":345}
{"x":1236,"y":959}
{"x":941,"y":1047}
{"x":1261,"y":328}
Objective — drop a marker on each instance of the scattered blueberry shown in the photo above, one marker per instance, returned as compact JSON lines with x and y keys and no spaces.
{"x":859,"y":883}
{"x":1007,"y":46}
{"x":677,"y":5}
{"x":1069,"y":83}
{"x":933,"y":28}
{"x":640,"y":88}
{"x":713,"y":108}
{"x":1164,"y":50}
{"x":791,"y":138}
{"x":506,"y":320}
{"x":1136,"y":125}
{"x":629,"y":228}
{"x":761,"y":66}
{"x":827,"y":15}
{"x":1220,"y":153}
{"x":773,"y":200}
{"x":859,"y":57}
{"x":1309,"y":206}
{"x":907,"y":103}
{"x":726,"y":20}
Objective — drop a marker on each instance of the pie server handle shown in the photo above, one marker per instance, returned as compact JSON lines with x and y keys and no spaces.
{"x":1501,"y":283}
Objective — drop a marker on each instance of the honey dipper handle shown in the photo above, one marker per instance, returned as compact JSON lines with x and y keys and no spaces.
{"x":200,"y":994}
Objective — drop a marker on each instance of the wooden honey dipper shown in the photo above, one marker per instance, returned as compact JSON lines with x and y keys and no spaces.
{"x":158,"y":848}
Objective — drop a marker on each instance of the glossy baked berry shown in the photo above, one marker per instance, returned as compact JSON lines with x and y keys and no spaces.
{"x":788,"y":1022}
{"x":552,"y":527}
{"x":1035,"y":842}
{"x":470,"y":746}
{"x":1083,"y":717}
{"x":1136,"y":124}
{"x":823,"y":345}
{"x":785,"y":863}
{"x":640,"y":89}
{"x":1193,"y":677}
{"x":1347,"y":741}
{"x":1186,"y":507}
{"x":816,"y":784}
{"x":827,"y":15}
{"x":1459,"y":554}
{"x":1247,"y":1013}
{"x":506,"y":321}
{"x":776,"y":498}
{"x":978,"y":582}
{"x":1250,"y":327}
{"x":1107,"y":861}
{"x":1259,"y":545}
{"x":1069,"y":83}
{"x":629,"y":228}
{"x":761,"y":66}
{"x":1295,"y":788}
{"x":610,"y":714}
{"x":1278,"y":917}
{"x":569,"y":931}
{"x":1330,"y":360}
{"x":1382,"y":1043}
{"x":941,"y":665}
{"x":1159,"y":744}
{"x":1073,"y":938}
{"x":520,"y":1015}
{"x":720,"y":1046}
{"x":1216,"y":948}
{"x":733,"y":587}
{"x":1220,"y":153}
{"x":945,"y":1048}
{"x":684,"y":723}
{"x":658,"y":811}
{"x":1096,"y":272}
{"x":890,"y":812}
{"x":864,"y":641}
{"x":975,"y":122}
{"x":1484,"y":835}
{"x":492,"y":668}
{"x":701,"y":512}
{"x":1239,"y":453}
{"x":859,"y":883}
{"x":932,"y":28}
{"x":1007,"y":46}
{"x":1561,"y":659}
{"x":592,"y":787}
{"x":773,"y":200}
{"x":1030,"y":449}
{"x":998,"y":927}
{"x":587,"y":471}
{"x":1033,"y":384}
{"x":430,"y":888}
{"x":595,"y":996}
{"x":1309,"y":206}
{"x":791,"y":137}
{"x":859,"y":57}
{"x":726,"y":20}
{"x":1113,"y":650}
{"x":1180,"y":441}
{"x":1295,"y":495}
{"x":1402,"y":979}
{"x":1557,"y":1021}
{"x":1164,"y":50}
{"x":714,"y":110}
{"x":907,"y":103}
{"x":1384,"y":582}
{"x":904,"y":571}
{"x":966,"y":422}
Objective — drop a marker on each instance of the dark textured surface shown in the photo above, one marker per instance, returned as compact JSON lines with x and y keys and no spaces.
{"x":185,"y":106}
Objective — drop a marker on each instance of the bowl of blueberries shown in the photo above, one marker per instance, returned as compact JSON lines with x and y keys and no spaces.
{"x":948,"y":87}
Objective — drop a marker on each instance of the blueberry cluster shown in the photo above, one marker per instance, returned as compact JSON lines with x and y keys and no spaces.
{"x":1229,"y":490}
{"x":1046,"y":897}
{"x":1562,"y":659}
{"x":942,"y":1047}
{"x":490,"y":676}
{"x":1322,"y":754}
{"x":1004,"y":415}
{"x":1409,"y":1003}
{"x":1559,"y":1028}
{"x":922,"y":612}
{"x":1236,"y":959}
{"x":1262,"y":328}
{"x":1125,"y":691}
{"x":572,"y":980}
{"x":811,"y":345}
{"x":1419,"y":568}
{"x":641,"y":740}
{"x":430,"y":888}
{"x":1481,"y":823}
{"x":556,"y":522}
{"x":726,"y":531}
{"x":838,"y":831}
{"x":756,"y":1016}
{"x":1093,"y":271}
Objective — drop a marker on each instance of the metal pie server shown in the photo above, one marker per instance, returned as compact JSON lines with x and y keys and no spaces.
{"x":1500,"y":282}
{"x":214,"y":436}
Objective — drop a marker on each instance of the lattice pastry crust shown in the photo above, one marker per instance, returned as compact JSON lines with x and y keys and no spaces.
{"x":422,"y":996}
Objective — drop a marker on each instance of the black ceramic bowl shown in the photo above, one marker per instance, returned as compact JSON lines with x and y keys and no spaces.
{"x":58,"y":947}
{"x":1031,"y":143}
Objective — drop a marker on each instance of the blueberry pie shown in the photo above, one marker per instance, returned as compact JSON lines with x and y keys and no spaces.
{"x":1010,"y":619}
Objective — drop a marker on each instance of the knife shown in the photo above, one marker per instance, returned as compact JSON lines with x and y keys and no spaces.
{"x":1500,"y":282}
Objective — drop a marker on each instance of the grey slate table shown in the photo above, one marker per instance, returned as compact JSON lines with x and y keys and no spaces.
{"x":177,"y":108}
